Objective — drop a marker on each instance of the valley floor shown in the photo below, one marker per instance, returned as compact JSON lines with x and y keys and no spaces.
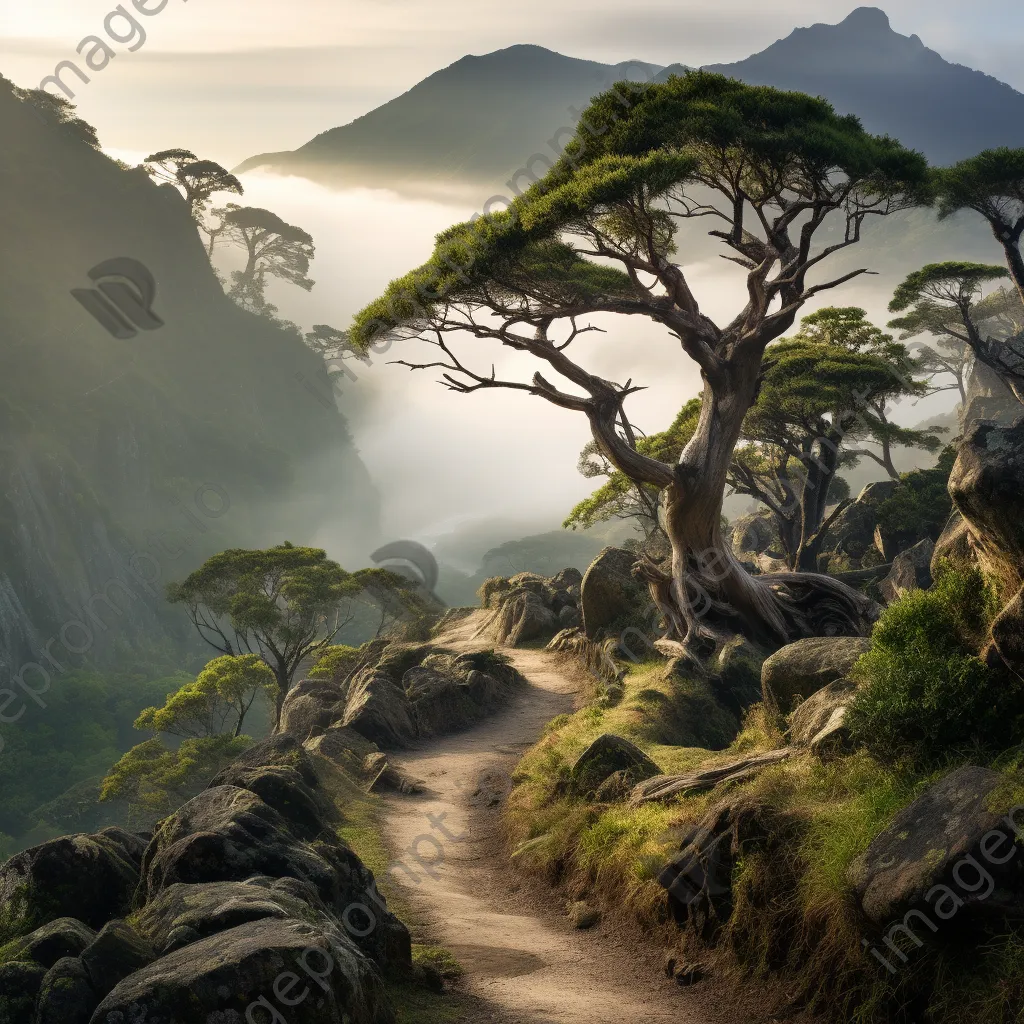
{"x":523,"y":961}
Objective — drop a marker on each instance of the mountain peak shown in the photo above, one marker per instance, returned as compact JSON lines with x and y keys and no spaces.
{"x":867,"y":19}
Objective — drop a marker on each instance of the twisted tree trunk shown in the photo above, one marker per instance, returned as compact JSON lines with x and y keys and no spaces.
{"x":705,"y":595}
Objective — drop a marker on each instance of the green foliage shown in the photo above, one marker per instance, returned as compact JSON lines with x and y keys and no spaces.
{"x":287,"y":602}
{"x":334,"y":661}
{"x":85,"y":727}
{"x":59,"y":111}
{"x":920,"y":505}
{"x":925,"y":694}
{"x":154,"y":780}
{"x":216,"y":701}
{"x":699,"y":129}
{"x":621,"y":498}
{"x":952,"y":281}
{"x":991,"y":183}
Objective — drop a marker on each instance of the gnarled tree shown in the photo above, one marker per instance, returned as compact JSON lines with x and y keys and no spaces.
{"x":766,"y":170}
{"x":947,"y":299}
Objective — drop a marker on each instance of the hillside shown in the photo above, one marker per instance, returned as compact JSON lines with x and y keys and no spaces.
{"x":483,"y":117}
{"x":894,"y":83}
{"x":125,"y":462}
{"x":476,"y":120}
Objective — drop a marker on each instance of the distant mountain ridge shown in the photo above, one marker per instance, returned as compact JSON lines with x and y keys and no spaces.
{"x":479,"y":120}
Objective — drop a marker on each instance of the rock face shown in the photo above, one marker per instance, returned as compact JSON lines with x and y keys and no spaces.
{"x":952,"y":852}
{"x":89,"y":877}
{"x":987,"y":487}
{"x":310,"y":707}
{"x":911,"y":570}
{"x":853,"y":530}
{"x":531,"y":607}
{"x":610,"y":592}
{"x":803,"y":668}
{"x":608,"y":755}
{"x":378,"y":709}
{"x":312,"y":974}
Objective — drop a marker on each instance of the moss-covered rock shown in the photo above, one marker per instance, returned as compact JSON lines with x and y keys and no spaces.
{"x":605,"y":756}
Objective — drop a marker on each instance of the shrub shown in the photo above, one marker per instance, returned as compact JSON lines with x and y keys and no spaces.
{"x":925,"y":695}
{"x":920,"y":505}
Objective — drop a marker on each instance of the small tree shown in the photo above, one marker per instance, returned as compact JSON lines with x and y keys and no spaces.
{"x":947,"y":299}
{"x":216,"y":702}
{"x":285,"y":604}
{"x":273,"y":247}
{"x":597,"y":235}
{"x":198,"y":179}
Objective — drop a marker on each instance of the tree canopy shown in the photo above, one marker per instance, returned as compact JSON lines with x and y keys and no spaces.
{"x":284,"y":604}
{"x":766,"y":170}
{"x":948,"y":300}
{"x":198,"y":179}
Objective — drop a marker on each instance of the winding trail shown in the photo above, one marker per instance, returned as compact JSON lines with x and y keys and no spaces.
{"x":524,"y":963}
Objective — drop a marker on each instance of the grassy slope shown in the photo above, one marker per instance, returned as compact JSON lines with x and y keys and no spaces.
{"x":794,"y":918}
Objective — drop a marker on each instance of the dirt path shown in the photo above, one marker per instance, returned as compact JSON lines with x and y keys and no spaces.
{"x":525,"y":964}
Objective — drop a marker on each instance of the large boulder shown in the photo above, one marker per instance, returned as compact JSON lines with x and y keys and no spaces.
{"x":911,"y":570}
{"x":819,"y":722}
{"x":117,"y":951}
{"x":185,"y":913}
{"x":88,"y":877}
{"x":66,"y":995}
{"x":610,"y":593}
{"x":607,"y":755}
{"x":302,"y":805}
{"x":801,"y":669}
{"x":20,"y":982}
{"x":230,"y":834}
{"x":308,"y":974}
{"x":754,"y":534}
{"x":66,"y":936}
{"x":987,"y":487}
{"x":523,"y":616}
{"x":853,"y":530}
{"x":951,"y":852}
{"x":378,"y":708}
{"x":311,"y":707}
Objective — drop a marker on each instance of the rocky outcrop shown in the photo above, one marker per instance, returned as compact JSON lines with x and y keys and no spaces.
{"x":607,"y":755}
{"x":530,"y":607}
{"x":610,"y":593}
{"x":243,"y":884}
{"x":949,"y":853}
{"x":88,"y":877}
{"x":911,"y":570}
{"x":403,"y":692}
{"x":987,"y":487}
{"x":378,"y":708}
{"x":311,"y":972}
{"x":801,"y":669}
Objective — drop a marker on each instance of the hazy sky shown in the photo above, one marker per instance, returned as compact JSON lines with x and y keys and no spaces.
{"x":236,"y":77}
{"x":231,"y":78}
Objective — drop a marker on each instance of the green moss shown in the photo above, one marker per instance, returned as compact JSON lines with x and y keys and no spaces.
{"x":438,"y":958}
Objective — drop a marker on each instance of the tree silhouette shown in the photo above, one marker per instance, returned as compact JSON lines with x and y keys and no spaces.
{"x":947,"y":299}
{"x":198,"y":179}
{"x":273,"y":248}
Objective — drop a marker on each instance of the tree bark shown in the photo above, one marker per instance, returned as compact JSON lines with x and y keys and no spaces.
{"x":706,"y":595}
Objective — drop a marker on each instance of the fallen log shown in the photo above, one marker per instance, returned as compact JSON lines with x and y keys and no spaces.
{"x":664,"y":787}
